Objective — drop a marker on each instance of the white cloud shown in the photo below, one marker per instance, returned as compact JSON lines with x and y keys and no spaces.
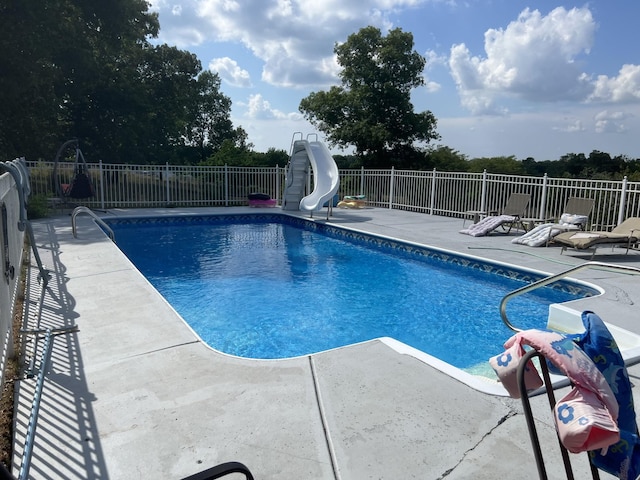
{"x":535,"y":58}
{"x":230,"y":72}
{"x":623,"y":88}
{"x":611,"y":122}
{"x":571,"y":127}
{"x":294,"y":38}
{"x":434,"y":59}
{"x":545,"y":134}
{"x":259,"y":108}
{"x":432,"y":86}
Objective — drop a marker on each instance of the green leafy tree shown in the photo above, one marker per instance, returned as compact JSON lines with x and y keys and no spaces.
{"x":372,"y":108}
{"x":602,"y":162}
{"x":270,"y":158}
{"x":446,"y":159}
{"x":572,"y":164}
{"x":210,"y":124}
{"x":169,"y":79}
{"x":230,"y":153}
{"x":58,"y":60}
{"x":103,"y":82}
{"x":348,"y":161}
{"x":505,"y":165}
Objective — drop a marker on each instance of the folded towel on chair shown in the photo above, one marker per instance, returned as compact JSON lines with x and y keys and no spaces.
{"x":541,"y":234}
{"x":487,"y":224}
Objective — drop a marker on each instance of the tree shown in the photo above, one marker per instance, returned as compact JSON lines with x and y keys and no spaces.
{"x":573,"y":164}
{"x":102,"y":81}
{"x":602,"y":162}
{"x":45,"y":84}
{"x":169,"y":79}
{"x":505,"y":165}
{"x":372,"y":108}
{"x":270,"y":158}
{"x":446,"y":159}
{"x":210,"y":124}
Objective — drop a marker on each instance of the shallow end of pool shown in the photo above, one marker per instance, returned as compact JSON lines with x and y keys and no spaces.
{"x":477,"y":382}
{"x":562,"y":318}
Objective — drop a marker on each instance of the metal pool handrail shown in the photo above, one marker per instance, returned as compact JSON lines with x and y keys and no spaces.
{"x":78,"y":210}
{"x":553,"y":278}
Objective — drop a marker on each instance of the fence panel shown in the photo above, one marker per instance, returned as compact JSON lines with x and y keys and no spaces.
{"x":606,"y":195}
{"x":376,"y":185}
{"x":412,"y":190}
{"x":500,"y":187}
{"x":438,"y":193}
{"x":352,"y":182}
{"x":632,"y":204}
{"x":457,"y":192}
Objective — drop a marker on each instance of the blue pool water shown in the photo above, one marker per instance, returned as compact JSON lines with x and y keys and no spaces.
{"x":266,"y":287}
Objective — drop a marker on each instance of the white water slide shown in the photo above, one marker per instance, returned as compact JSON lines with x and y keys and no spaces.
{"x":326,"y":178}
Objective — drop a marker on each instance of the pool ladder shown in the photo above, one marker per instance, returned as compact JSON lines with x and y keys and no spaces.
{"x":78,"y":210}
{"x":556,"y":277}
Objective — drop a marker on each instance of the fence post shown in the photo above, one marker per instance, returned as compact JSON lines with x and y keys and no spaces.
{"x":623,"y":200}
{"x":101,"y":185}
{"x":543,"y":201}
{"x":483,"y":201}
{"x":432,"y":201}
{"x":277,"y":184}
{"x":391,"y":180}
{"x":166,"y":183}
{"x":361,"y":180}
{"x":226,"y":185}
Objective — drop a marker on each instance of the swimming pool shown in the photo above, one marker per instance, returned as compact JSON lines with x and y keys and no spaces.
{"x":275,"y":286}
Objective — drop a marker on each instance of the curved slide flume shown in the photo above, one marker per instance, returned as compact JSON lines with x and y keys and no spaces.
{"x":326,"y":178}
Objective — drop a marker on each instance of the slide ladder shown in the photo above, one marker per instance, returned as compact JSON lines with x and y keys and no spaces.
{"x":296,"y":176}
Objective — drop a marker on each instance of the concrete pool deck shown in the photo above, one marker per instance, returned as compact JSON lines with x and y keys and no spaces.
{"x":134,"y":393}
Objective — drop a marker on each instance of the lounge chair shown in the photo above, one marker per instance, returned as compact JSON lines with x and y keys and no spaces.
{"x":575,"y":216}
{"x":509,"y":217}
{"x":626,"y":234}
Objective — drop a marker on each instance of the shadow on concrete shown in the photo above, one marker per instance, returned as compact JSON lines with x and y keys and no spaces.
{"x":66,"y":428}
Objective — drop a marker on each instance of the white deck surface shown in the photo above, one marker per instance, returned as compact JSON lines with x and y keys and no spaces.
{"x":134,"y":393}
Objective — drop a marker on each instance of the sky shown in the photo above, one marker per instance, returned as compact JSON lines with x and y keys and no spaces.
{"x":503,"y":77}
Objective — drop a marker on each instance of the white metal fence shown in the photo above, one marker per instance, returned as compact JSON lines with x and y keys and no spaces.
{"x":432,"y":192}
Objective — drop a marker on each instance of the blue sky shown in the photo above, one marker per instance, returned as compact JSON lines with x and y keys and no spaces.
{"x":503,"y":77}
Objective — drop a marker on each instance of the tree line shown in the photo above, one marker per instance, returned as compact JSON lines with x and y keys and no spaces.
{"x":597,"y":165}
{"x":89,"y":70}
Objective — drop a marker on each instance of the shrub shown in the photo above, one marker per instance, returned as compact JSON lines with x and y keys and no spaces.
{"x":37,"y":207}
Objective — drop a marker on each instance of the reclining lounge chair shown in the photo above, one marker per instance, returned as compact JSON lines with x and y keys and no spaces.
{"x":626,"y":234}
{"x":574,"y":217}
{"x":510,"y":216}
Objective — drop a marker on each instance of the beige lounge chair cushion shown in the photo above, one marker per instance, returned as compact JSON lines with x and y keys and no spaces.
{"x":627,"y":232}
{"x":584,"y":240}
